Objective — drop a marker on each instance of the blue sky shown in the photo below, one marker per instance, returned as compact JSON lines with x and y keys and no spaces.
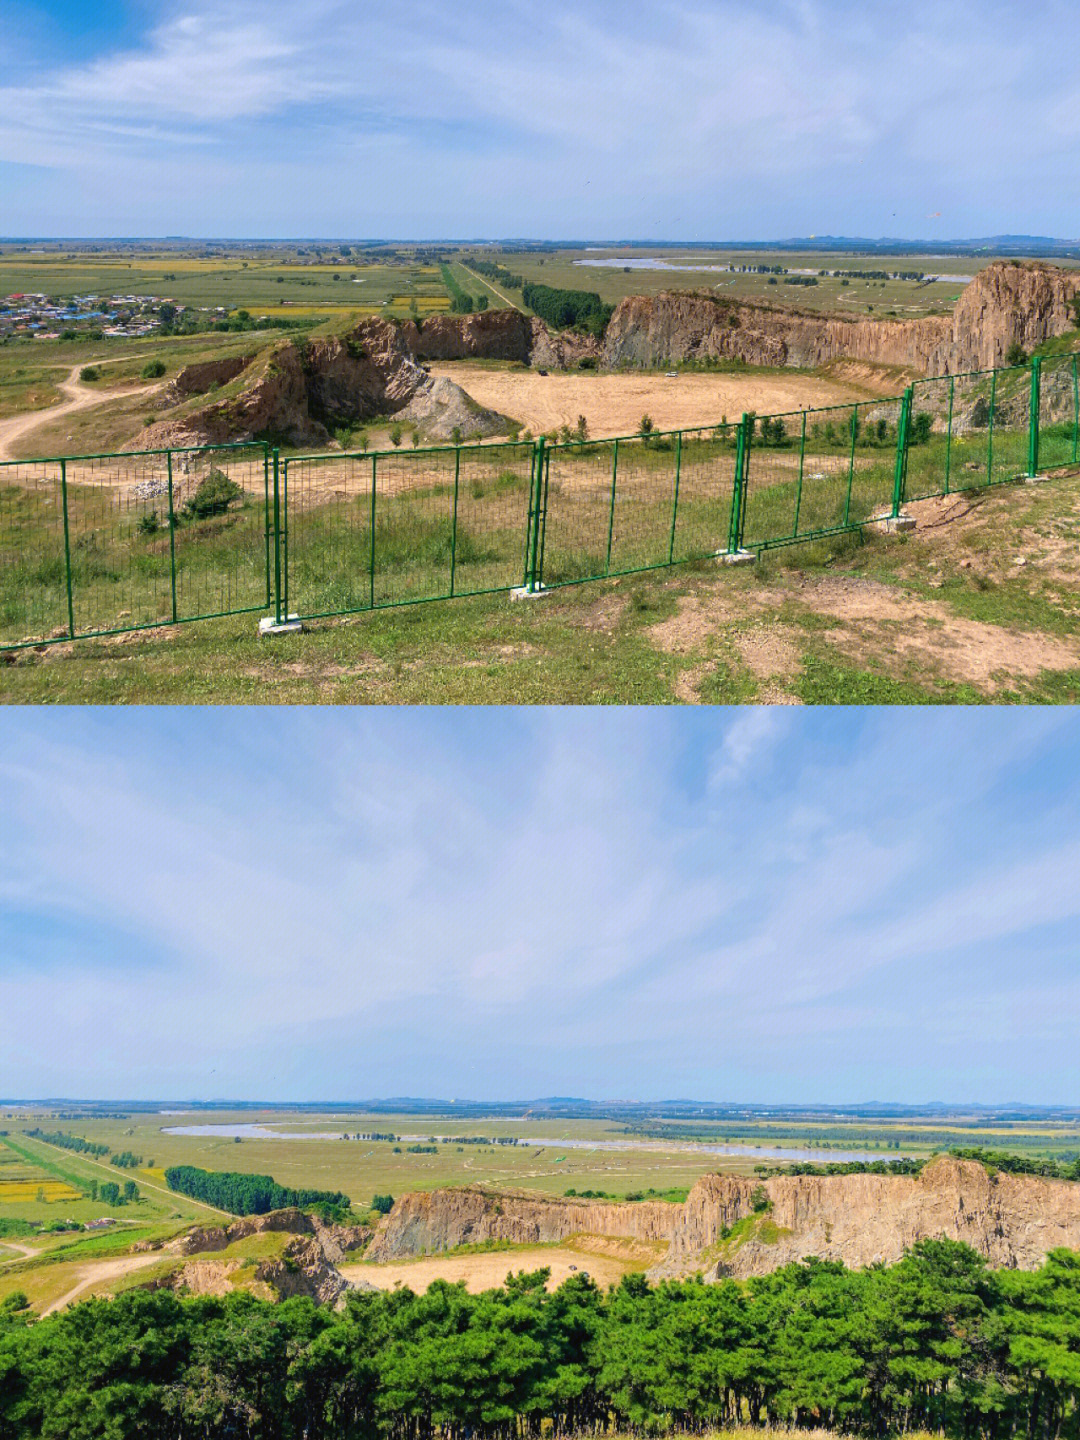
{"x":757,"y":905}
{"x":411,"y":118}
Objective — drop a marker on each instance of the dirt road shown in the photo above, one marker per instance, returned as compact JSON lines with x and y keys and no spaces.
{"x":96,"y":1270}
{"x":22,"y":1250}
{"x":80,"y":396}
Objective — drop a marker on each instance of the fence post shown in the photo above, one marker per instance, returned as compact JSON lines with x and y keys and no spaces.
{"x":990,"y":438}
{"x":530,"y":580}
{"x":266,"y":522}
{"x":802,"y":463}
{"x":278,"y":618}
{"x":903,"y":428}
{"x":371,"y":547}
{"x":1033,"y":420}
{"x":67,"y":548}
{"x":172,"y":537}
{"x":742,"y":448}
{"x":1076,"y":411}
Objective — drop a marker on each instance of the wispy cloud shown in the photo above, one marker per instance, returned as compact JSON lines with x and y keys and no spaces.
{"x":203,"y":903}
{"x":681,"y":118}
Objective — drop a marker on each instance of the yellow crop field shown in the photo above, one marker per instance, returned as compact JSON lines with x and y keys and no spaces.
{"x":15,"y":1192}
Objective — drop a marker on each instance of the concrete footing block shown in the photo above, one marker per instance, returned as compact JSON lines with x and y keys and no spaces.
{"x":894,"y":524}
{"x":737,"y":557}
{"x":268,"y":625}
{"x":522,"y":592}
{"x":1034,"y":479}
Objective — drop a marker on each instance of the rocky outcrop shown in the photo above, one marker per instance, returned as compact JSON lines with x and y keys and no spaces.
{"x":205,"y":375}
{"x":436,"y":1220}
{"x":335,"y":1240}
{"x":300,"y":392}
{"x":306,"y":1265}
{"x":734,"y":1225}
{"x":1005,"y":304}
{"x":490,"y":334}
{"x":1013,"y":1220}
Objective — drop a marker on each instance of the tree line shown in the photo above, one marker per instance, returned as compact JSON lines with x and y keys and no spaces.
{"x":565,"y":309}
{"x":937,"y":1342}
{"x":64,"y":1141}
{"x":248,"y":1194}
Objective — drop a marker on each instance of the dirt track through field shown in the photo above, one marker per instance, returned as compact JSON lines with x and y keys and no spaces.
{"x":81,"y":396}
{"x":614,"y":404}
{"x":96,"y":1270}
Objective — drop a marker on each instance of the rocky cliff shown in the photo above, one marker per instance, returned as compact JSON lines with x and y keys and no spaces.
{"x":1005,"y":304}
{"x":437,"y":1220}
{"x":306,"y":1265}
{"x":298,"y":392}
{"x":860,"y":1219}
{"x":732,"y":1225}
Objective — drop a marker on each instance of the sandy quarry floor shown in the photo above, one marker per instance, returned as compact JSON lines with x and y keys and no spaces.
{"x":614,"y":404}
{"x":606,"y":1263}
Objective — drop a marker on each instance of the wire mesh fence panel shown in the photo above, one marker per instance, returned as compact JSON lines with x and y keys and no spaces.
{"x":167,"y":536}
{"x":706,"y":485}
{"x":990,"y":418}
{"x":33,"y":570}
{"x":610,"y":507}
{"x":819,"y":470}
{"x":326,"y":559}
{"x":491,"y":517}
{"x":364,"y":531}
{"x":579,"y":482}
{"x":106,"y":543}
{"x":1059,"y":412}
{"x":930,"y":453}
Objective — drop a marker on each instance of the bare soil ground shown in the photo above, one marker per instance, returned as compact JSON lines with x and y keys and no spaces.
{"x":80,"y":396}
{"x":614,"y":404}
{"x":605,"y":1259}
{"x":93,"y":1272}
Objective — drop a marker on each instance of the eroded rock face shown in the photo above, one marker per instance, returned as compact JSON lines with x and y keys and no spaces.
{"x":490,"y":334}
{"x":197,"y":379}
{"x":1013,"y":1220}
{"x":306,"y":1266}
{"x":440,"y":1219}
{"x":299,"y":393}
{"x":1005,"y":304}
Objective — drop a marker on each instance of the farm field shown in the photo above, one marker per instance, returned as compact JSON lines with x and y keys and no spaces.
{"x":269,"y":280}
{"x":629,"y":270}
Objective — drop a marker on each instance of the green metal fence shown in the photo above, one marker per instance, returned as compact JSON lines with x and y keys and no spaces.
{"x":104,"y":544}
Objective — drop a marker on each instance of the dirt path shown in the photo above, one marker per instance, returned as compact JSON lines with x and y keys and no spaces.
{"x":81,"y":396}
{"x":614,"y":404}
{"x":493,"y":288}
{"x":14,"y":1245}
{"x":95,"y":1270}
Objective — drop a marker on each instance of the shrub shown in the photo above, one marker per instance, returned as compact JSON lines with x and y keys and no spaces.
{"x":153,"y":370}
{"x":382,"y":1204}
{"x":395,"y":436}
{"x":759,"y":1200}
{"x":213,"y":496}
{"x":1016,"y":354}
{"x":89,"y":373}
